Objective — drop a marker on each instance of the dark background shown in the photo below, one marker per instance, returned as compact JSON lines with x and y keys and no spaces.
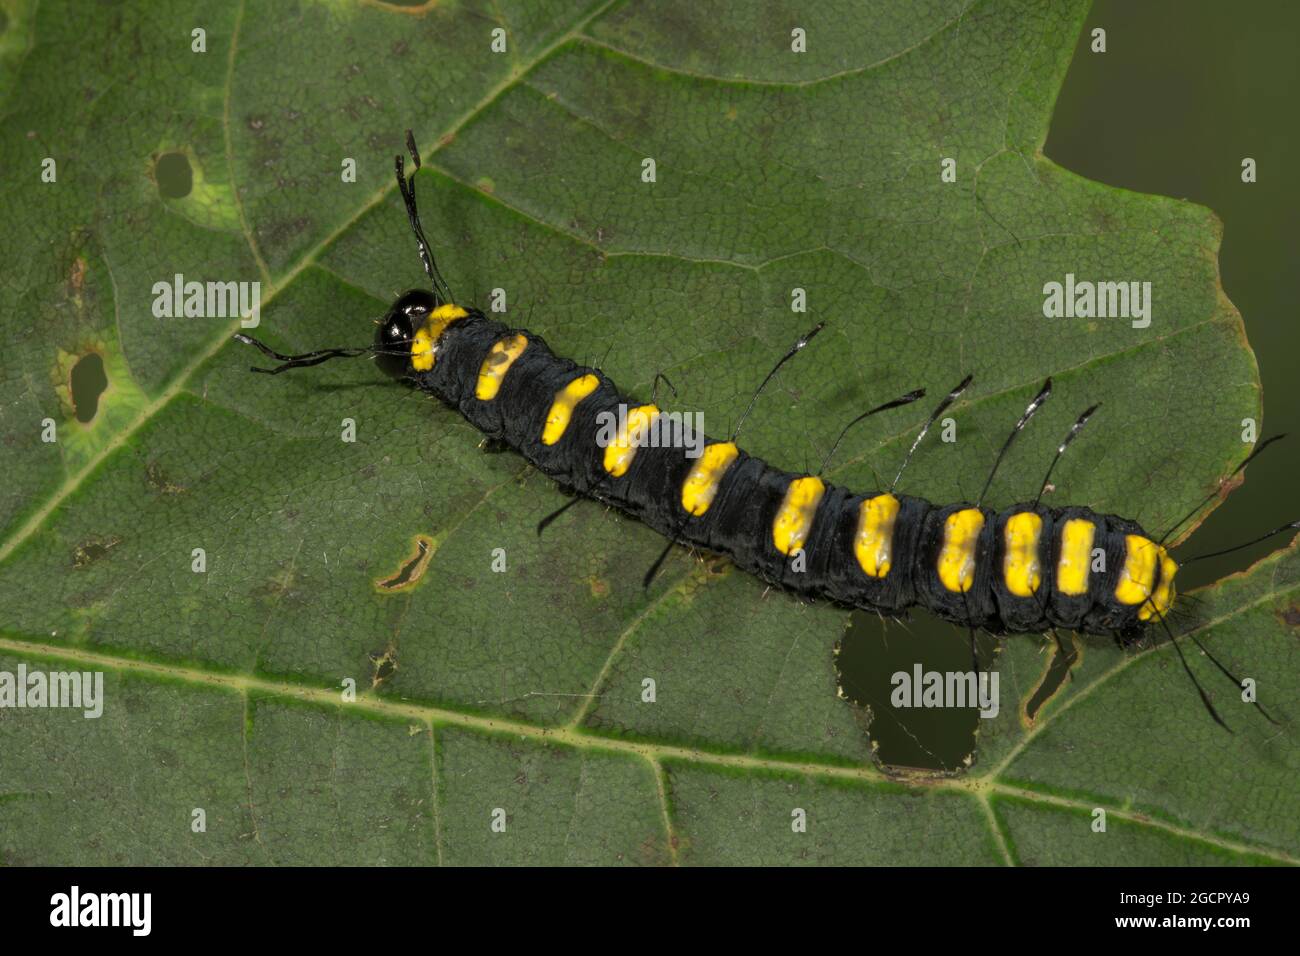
{"x":1183,"y":92}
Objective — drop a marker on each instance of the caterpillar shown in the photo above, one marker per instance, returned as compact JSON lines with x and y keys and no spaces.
{"x":1026,"y":568}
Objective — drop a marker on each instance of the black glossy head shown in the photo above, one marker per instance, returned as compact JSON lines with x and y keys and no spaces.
{"x":396,"y":332}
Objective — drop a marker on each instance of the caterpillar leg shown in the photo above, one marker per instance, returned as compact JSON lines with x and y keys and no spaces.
{"x":545,"y":522}
{"x":658,"y":563}
{"x":593,"y":494}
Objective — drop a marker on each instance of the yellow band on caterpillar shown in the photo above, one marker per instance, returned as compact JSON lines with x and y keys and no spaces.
{"x":795,"y":517}
{"x":701,"y":485}
{"x":566,"y":400}
{"x":425,"y":344}
{"x":1020,"y":568}
{"x":1138,"y":576}
{"x":961,"y":532}
{"x":500,"y":357}
{"x":620,"y":452}
{"x":1076,"y":557}
{"x":874,"y":543}
{"x":1163,"y":598}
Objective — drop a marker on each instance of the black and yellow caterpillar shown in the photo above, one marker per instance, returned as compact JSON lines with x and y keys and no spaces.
{"x":1028,"y":568}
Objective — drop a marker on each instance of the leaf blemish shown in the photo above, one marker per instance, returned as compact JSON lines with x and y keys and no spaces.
{"x":92,"y":550}
{"x":287,"y":230}
{"x":77,"y":276}
{"x":412,"y":568}
{"x":384,"y":665}
{"x":157,"y":479}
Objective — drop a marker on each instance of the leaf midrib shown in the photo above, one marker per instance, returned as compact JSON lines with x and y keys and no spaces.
{"x":980,"y":788}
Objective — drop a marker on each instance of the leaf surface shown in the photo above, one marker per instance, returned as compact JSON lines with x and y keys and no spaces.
{"x":518,"y":695}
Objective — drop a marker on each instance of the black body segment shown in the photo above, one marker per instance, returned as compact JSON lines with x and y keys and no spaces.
{"x":1024,"y":613}
{"x":972,"y":608}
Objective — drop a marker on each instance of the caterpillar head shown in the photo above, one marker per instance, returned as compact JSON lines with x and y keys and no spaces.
{"x":395,"y":333}
{"x":406,"y":340}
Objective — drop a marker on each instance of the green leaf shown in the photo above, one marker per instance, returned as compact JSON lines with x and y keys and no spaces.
{"x":516,"y":696}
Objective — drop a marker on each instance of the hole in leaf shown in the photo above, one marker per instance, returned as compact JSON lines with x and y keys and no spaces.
{"x":1057,"y":671}
{"x":173,"y":174}
{"x":87,"y":382}
{"x":412,"y":569}
{"x":877,"y":665}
